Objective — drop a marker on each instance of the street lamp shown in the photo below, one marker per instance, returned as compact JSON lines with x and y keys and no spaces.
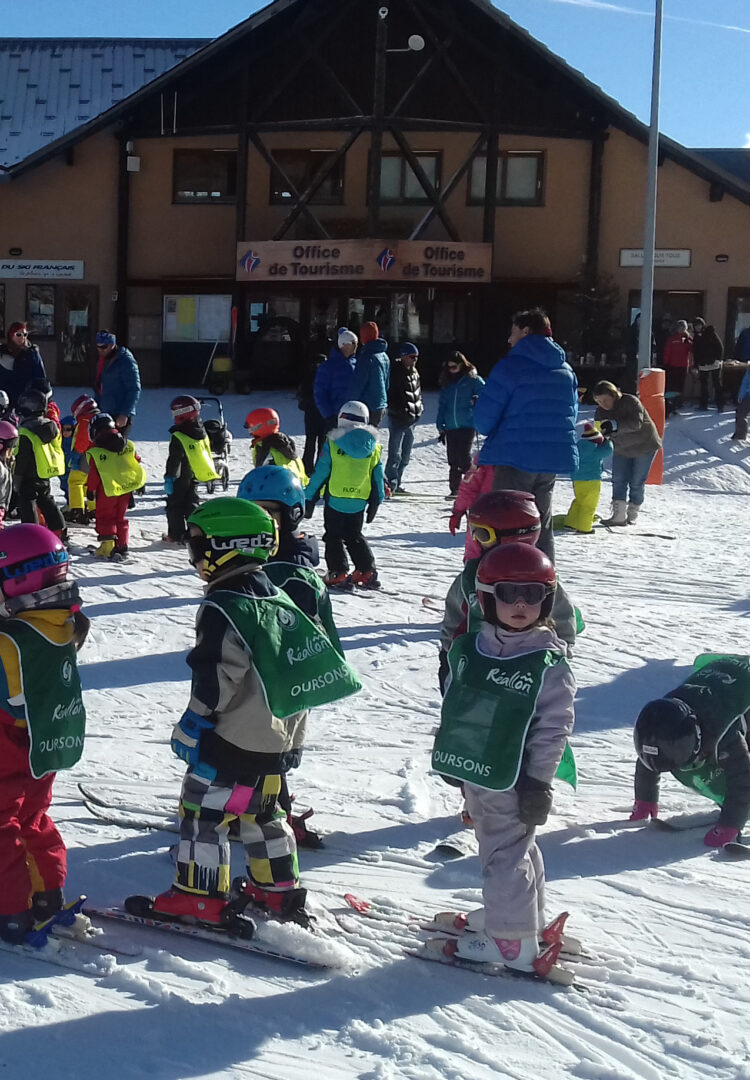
{"x":649,"y":236}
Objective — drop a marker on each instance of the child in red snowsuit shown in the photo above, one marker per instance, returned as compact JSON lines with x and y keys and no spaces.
{"x":42,"y":720}
{"x":115,"y":472}
{"x":476,"y":482}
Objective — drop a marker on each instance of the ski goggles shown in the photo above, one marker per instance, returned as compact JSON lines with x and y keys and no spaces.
{"x":198,"y":549}
{"x":508,"y":592}
{"x":487,"y":536}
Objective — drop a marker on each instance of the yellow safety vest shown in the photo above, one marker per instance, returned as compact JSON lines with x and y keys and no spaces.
{"x":295,"y":464}
{"x":351,"y":478}
{"x":198,"y":453}
{"x":120,"y":473}
{"x":48,"y":457}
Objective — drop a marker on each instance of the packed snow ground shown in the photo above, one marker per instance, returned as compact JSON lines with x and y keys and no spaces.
{"x":668,"y":919}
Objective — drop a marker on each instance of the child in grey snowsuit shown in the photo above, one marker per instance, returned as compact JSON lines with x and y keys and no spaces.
{"x":506,"y":716}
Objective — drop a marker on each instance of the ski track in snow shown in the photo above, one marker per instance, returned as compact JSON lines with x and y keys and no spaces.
{"x":665,"y":919}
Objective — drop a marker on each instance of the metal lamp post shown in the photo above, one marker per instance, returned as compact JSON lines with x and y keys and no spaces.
{"x":649,"y":237}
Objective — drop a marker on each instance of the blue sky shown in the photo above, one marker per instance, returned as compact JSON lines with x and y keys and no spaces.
{"x":705,"y":85}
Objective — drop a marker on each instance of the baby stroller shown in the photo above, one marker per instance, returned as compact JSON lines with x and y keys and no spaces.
{"x":220,"y":438}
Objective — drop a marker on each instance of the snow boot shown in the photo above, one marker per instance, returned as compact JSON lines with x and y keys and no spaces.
{"x":167,"y":539}
{"x":119,"y":554}
{"x":287,"y":905}
{"x":106,"y":547}
{"x":75,"y":517}
{"x":14,"y":928}
{"x":365,"y":579}
{"x":305,"y":837}
{"x":519,"y":954}
{"x":45,"y":904}
{"x":619,"y":513}
{"x":632,"y":513}
{"x":333,"y":580}
{"x":189,"y":907}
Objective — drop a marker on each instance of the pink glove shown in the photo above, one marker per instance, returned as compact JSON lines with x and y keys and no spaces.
{"x":453,"y":522}
{"x":720,"y":835}
{"x":388,"y":491}
{"x":642,"y":811}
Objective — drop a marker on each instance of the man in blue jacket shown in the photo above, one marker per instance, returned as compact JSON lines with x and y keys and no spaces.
{"x":528,"y":410}
{"x":117,"y":385}
{"x":372,"y":375}
{"x":334,"y":376}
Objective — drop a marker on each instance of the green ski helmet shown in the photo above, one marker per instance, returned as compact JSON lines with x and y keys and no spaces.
{"x":232,"y":528}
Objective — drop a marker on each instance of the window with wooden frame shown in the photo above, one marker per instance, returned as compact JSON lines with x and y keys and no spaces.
{"x":204,"y":176}
{"x":398,"y":181}
{"x":520,"y":178}
{"x":300,"y":167}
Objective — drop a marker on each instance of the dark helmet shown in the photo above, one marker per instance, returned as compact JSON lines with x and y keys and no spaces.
{"x":504,"y":517}
{"x":667,"y":735}
{"x":520,"y":563}
{"x":101,"y":422}
{"x":31,"y":402}
{"x":185,"y":408}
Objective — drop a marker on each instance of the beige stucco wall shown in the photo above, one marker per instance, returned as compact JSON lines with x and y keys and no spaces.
{"x":169,"y":239}
{"x":685,"y":219}
{"x":61,"y":211}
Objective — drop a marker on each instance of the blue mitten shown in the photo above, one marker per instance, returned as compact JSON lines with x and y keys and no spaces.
{"x":186,"y":736}
{"x":168,"y":485}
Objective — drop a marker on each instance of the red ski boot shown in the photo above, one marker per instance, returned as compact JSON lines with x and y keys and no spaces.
{"x":286,"y":905}
{"x":188,"y":907}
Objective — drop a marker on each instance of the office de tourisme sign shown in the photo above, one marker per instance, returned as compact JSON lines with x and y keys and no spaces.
{"x":364,"y":260}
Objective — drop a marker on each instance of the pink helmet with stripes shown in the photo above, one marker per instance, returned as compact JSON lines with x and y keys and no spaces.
{"x":31,"y":558}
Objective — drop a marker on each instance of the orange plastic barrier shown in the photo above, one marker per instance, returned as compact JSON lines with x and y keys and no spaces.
{"x":651,"y":393}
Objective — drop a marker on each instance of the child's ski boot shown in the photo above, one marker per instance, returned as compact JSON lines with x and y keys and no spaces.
{"x":175,"y":905}
{"x":286,"y":905}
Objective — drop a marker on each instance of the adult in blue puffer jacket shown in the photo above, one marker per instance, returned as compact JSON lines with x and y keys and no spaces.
{"x":528,"y":411}
{"x":334,"y":376}
{"x":372,"y":374}
{"x":459,"y":388}
{"x":117,"y":385}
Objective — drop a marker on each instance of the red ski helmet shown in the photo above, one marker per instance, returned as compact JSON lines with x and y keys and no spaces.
{"x":31,"y":558}
{"x":262,"y":422}
{"x":521,"y":564}
{"x":84,"y":407}
{"x":185,"y":408}
{"x":504,"y":517}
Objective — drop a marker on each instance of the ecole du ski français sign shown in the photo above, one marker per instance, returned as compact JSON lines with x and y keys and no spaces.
{"x":366,"y":260}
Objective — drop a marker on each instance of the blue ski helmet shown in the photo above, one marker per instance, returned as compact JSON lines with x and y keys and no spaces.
{"x":275,"y":484}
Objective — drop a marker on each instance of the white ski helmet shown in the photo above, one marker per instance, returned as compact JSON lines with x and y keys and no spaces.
{"x":353,"y":412}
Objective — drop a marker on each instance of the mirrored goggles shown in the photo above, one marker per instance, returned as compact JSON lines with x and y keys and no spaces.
{"x":487,"y":536}
{"x":508,"y":592}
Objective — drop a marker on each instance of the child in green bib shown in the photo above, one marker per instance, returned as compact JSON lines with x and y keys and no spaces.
{"x":258,"y":665}
{"x":698,"y":732}
{"x":42,"y":720}
{"x":506,"y":716}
